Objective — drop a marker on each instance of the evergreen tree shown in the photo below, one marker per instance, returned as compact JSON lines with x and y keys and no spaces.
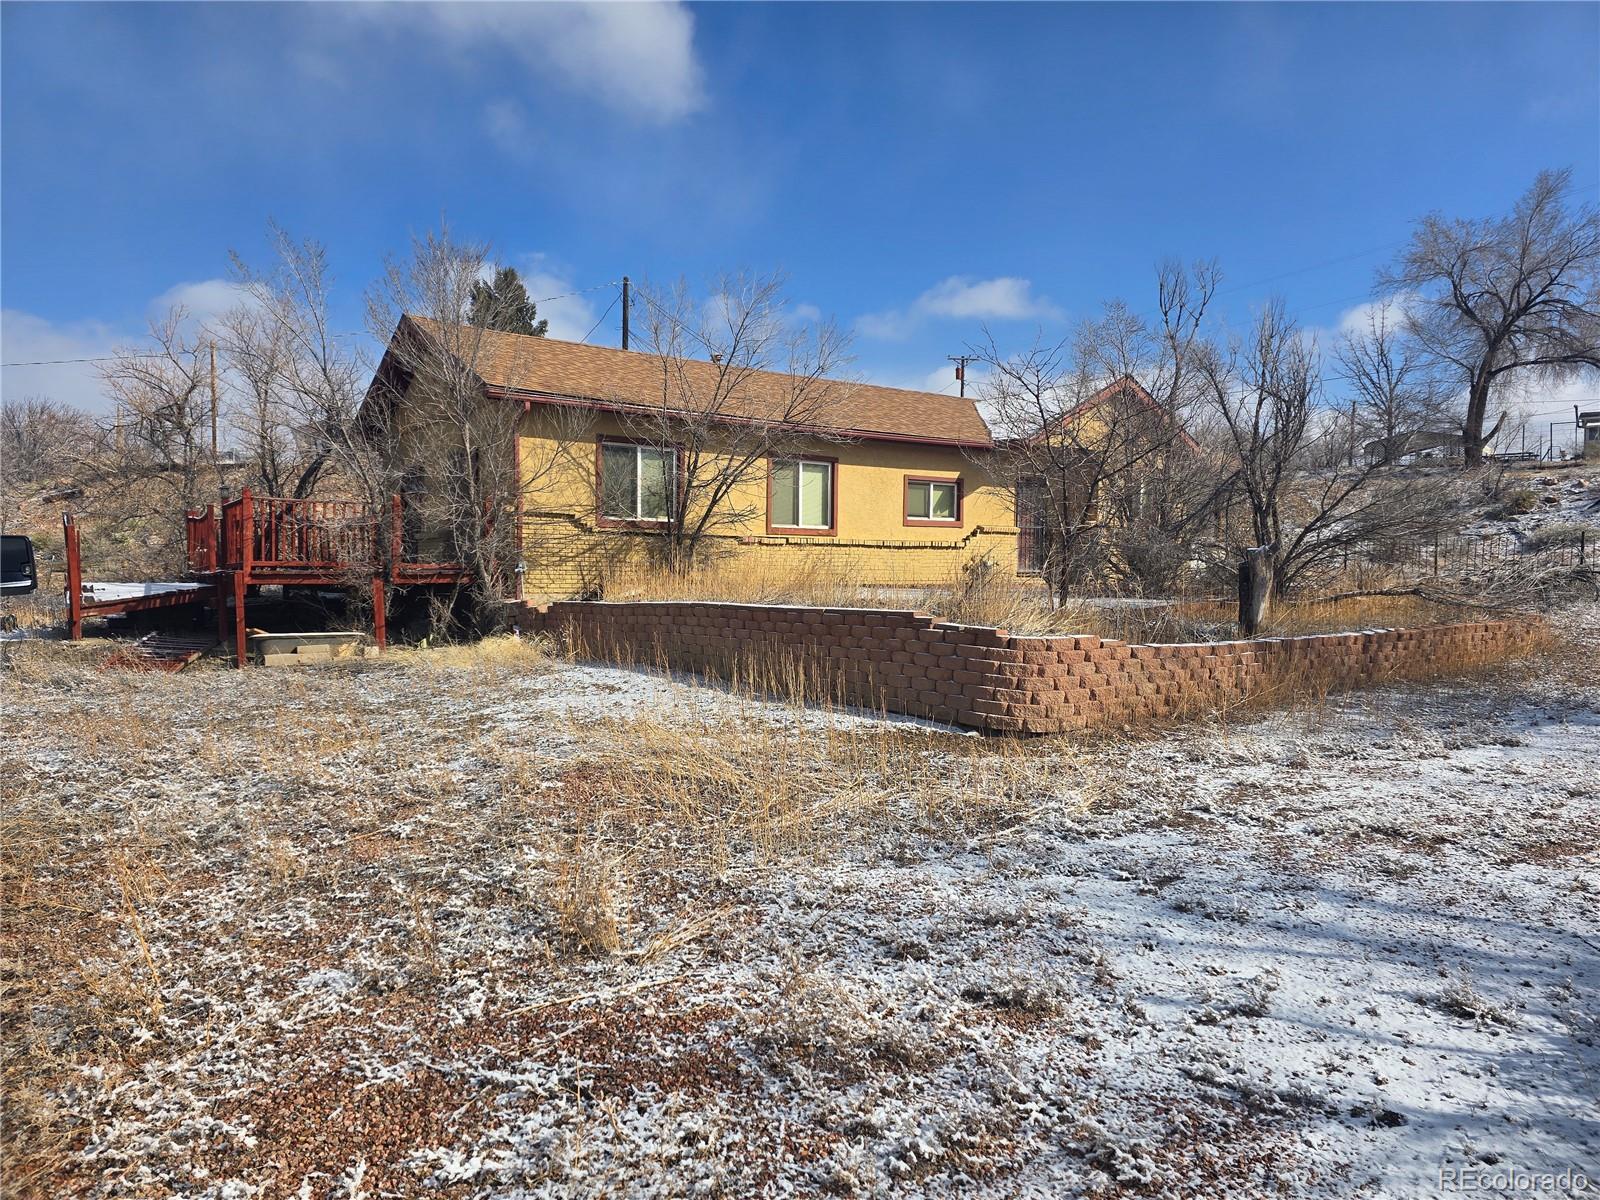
{"x":503,"y":304}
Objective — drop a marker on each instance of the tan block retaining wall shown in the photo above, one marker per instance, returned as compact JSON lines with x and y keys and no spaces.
{"x":987,"y":679}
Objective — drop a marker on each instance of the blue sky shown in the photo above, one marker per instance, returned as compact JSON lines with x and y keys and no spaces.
{"x":917,"y":170}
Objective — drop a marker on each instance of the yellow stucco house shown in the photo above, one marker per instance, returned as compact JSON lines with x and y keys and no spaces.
{"x":770,"y":471}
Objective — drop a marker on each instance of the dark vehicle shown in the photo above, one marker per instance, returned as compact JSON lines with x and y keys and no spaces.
{"x":18,"y":574}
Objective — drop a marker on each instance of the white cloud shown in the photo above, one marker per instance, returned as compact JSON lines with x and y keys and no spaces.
{"x":960,"y":297}
{"x":28,"y":338}
{"x":1388,"y":311}
{"x":1542,"y":400}
{"x":1356,"y":322}
{"x":1004,"y":299}
{"x":636,"y":58}
{"x":570,"y":316}
{"x":941,"y":379}
{"x":885,"y":326}
{"x":202,"y":301}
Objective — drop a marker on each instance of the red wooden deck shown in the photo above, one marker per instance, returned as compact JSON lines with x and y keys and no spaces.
{"x":79,"y":608}
{"x":257,"y":540}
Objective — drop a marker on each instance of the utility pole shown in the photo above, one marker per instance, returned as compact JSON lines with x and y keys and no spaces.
{"x":1352,"y":461}
{"x":624,"y":312}
{"x":961,"y":361}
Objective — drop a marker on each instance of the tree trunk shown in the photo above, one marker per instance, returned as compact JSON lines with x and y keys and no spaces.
{"x":1255,"y":589}
{"x":1473,"y":437}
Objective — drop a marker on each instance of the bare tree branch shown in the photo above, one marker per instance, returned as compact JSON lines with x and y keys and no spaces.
{"x":1498,"y":300}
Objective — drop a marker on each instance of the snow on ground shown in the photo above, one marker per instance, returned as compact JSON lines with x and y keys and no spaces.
{"x":580,"y":694}
{"x":530,"y":929}
{"x":1568,"y":495}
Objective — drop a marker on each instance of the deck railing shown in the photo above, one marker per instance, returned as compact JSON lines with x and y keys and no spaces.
{"x":202,"y":530}
{"x":268,"y":533}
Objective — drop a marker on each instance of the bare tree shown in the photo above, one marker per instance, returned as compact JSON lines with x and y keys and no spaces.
{"x":1304,"y":517}
{"x":1500,"y":299}
{"x":287,"y":454}
{"x":40,"y":438}
{"x":305,"y":378}
{"x":741,"y":382}
{"x":424,"y":429}
{"x":158,"y":446}
{"x":1394,"y":392}
{"x":1091,"y":428}
{"x":454,"y":450}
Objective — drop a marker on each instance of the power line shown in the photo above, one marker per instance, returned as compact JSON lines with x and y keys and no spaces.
{"x":648,"y":299}
{"x":1332,"y":262}
{"x":56,"y":362}
{"x":603,"y":316}
{"x":579,"y":292}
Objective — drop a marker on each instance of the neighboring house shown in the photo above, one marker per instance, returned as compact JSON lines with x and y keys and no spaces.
{"x":1406,"y":448}
{"x":1113,"y":404}
{"x":881,"y":486}
{"x":1589,"y":423}
{"x":1104,"y":460}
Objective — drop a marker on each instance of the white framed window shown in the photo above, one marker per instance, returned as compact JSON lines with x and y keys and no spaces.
{"x":933,"y":500}
{"x":802,"y":494}
{"x":637,"y":483}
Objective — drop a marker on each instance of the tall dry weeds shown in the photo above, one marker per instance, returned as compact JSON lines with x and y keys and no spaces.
{"x":983,"y":592}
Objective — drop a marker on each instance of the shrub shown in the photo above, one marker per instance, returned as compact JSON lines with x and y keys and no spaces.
{"x":1514,"y":504}
{"x":1561,"y":533}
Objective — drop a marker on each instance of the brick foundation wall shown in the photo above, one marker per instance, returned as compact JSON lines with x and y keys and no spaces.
{"x":987,"y":679}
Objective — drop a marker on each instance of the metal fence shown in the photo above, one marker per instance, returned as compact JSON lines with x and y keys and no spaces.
{"x":1470,"y":553}
{"x":1373,"y":564}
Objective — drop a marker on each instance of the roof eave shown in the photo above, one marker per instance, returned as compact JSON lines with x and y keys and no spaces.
{"x":534,"y":396}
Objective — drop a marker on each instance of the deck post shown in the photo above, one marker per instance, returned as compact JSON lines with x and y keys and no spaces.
{"x":239,"y":650}
{"x":380,"y":621}
{"x":220,"y":592}
{"x":69,"y":538}
{"x":247,"y":535}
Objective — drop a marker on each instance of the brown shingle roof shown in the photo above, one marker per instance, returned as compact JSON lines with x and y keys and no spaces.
{"x":544,"y":367}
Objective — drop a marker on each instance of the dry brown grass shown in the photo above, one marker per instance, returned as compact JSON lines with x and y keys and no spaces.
{"x":204,"y":843}
{"x":834,"y":583}
{"x":106,"y":903}
{"x":983,"y":593}
{"x":729,"y":792}
{"x":489,"y":658}
{"x":40,"y":610}
{"x":1296,"y":618}
{"x":588,"y":899}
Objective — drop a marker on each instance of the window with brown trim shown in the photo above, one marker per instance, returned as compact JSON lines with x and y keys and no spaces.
{"x":932,"y":501}
{"x":635,"y":482}
{"x":803,"y":495}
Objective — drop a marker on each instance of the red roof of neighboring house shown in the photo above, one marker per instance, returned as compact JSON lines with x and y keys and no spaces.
{"x":545,"y":370}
